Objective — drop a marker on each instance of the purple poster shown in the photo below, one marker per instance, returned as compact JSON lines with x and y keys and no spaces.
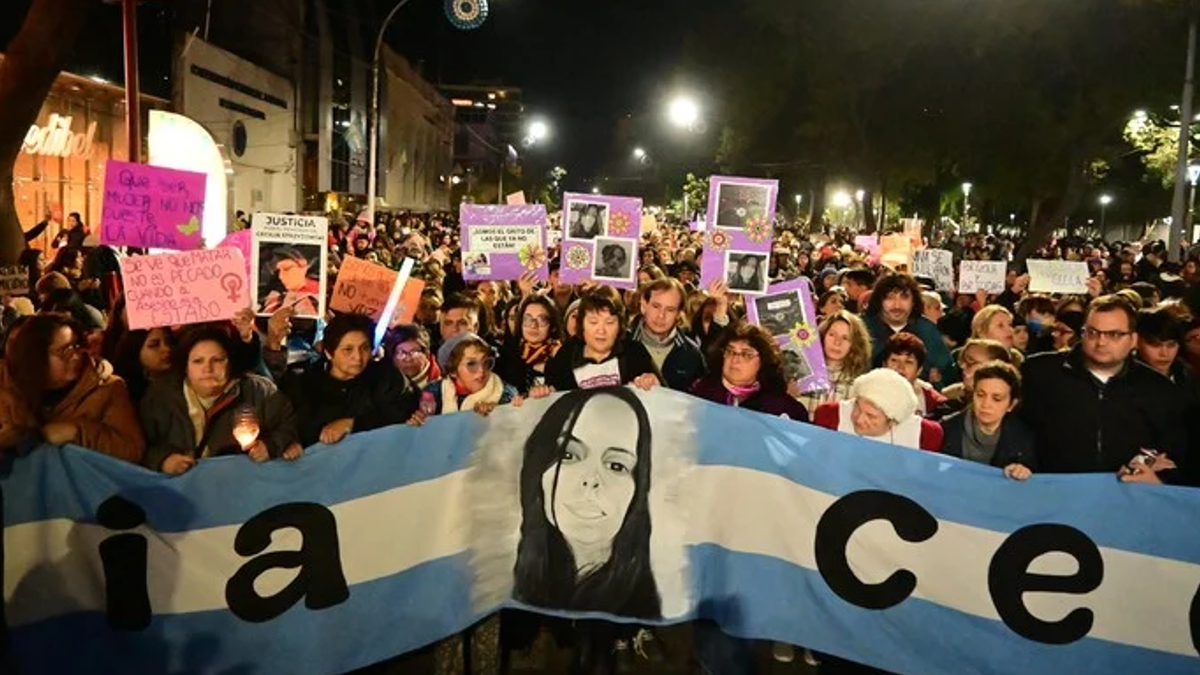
{"x":600,"y":239}
{"x":151,"y":207}
{"x":786,"y":312}
{"x":737,"y":241}
{"x":503,"y":242}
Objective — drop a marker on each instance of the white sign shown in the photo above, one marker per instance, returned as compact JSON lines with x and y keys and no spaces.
{"x":1058,"y":276}
{"x":289,"y":264}
{"x":14,"y":281}
{"x":981,"y":275}
{"x":56,"y":140}
{"x":505,"y":238}
{"x":936,"y":264}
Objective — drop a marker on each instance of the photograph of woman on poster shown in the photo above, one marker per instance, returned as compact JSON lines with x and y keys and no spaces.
{"x":585,"y":528}
{"x":289,"y":279}
{"x":588,"y":220}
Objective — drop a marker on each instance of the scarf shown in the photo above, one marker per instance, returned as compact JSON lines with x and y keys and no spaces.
{"x":976,"y":445}
{"x":491,"y":393}
{"x":197,"y":409}
{"x":734,"y":394}
{"x":536,"y":355}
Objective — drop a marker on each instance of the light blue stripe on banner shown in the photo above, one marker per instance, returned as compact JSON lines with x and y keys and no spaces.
{"x":1111,"y":513}
{"x":382,"y":619}
{"x":363,"y":464}
{"x":896,"y":639}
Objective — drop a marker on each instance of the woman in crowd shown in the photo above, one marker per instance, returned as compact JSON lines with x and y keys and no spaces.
{"x":973,"y":354}
{"x":1067,"y":329}
{"x":51,"y":390}
{"x":469,"y":382}
{"x":986,"y":432}
{"x":407,"y":349}
{"x":649,"y":274}
{"x":600,"y":355}
{"x":831,"y":302}
{"x":847,"y":347}
{"x":347,"y":391}
{"x":207,"y":408}
{"x":538,"y":338}
{"x":905,"y":353}
{"x":882,"y":407}
{"x":746,"y":371}
{"x":141,"y":356}
{"x":993,"y":322}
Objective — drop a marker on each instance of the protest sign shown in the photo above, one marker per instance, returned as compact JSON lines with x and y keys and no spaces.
{"x":151,"y":206}
{"x":175,"y":289}
{"x":895,"y":250}
{"x":787,"y":313}
{"x":936,"y":264}
{"x":515,"y":199}
{"x":503,"y":242}
{"x":289,"y":264}
{"x":912,"y":230}
{"x":14,"y":281}
{"x":868,"y":243}
{"x":364,"y":288}
{"x":1058,"y":276}
{"x":739,"y":234}
{"x":241,"y":240}
{"x":773,"y":529}
{"x":601,"y":235}
{"x":981,"y":275}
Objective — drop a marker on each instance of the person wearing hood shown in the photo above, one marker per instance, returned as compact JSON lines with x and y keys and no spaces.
{"x":882,"y":407}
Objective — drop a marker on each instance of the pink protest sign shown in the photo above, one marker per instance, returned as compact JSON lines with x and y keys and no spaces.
{"x":173,"y":289}
{"x":241,"y":240}
{"x":151,"y":207}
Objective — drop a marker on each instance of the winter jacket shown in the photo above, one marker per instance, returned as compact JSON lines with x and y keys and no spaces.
{"x":1015,"y":445}
{"x":684,"y":364}
{"x":1082,"y":426}
{"x":829,"y":415}
{"x":380,"y":396}
{"x":777,"y":403}
{"x":937,"y":354}
{"x":169,"y":429}
{"x":98,"y":404}
{"x":513,"y":370}
{"x":630,"y":360}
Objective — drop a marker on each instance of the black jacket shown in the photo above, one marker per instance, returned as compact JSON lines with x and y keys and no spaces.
{"x":380,"y":396}
{"x":632,"y":360}
{"x":1016,"y":444}
{"x":1082,"y":426}
{"x":684,"y":364}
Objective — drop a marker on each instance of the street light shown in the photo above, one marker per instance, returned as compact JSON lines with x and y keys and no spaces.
{"x":538,"y":130}
{"x":639,"y":153}
{"x":799,"y":199}
{"x":841,"y":199}
{"x":683,"y":112}
{"x":373,"y":152}
{"x":1105,"y":200}
{"x":595,"y":190}
{"x":966,"y":188}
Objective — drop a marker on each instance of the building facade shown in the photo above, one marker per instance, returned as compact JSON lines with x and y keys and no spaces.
{"x":488,"y":138}
{"x":416,"y":139}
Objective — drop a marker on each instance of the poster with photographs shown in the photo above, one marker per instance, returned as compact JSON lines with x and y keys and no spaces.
{"x":786,"y":311}
{"x":740,"y":231}
{"x":600,"y":239}
{"x":503,"y":241}
{"x":288,"y":268}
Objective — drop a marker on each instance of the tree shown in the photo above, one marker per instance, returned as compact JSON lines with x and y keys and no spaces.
{"x":1157,"y":144}
{"x":32,"y":62}
{"x":696,"y":192}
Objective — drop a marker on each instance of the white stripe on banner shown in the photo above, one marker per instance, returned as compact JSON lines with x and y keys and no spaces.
{"x":184,"y":565}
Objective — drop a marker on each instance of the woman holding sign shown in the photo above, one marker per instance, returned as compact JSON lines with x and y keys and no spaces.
{"x":747,"y":372}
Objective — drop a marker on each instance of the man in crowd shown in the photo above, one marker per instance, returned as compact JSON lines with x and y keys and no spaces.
{"x":676,"y":355}
{"x":460,"y":314}
{"x":1094,"y":408}
{"x":895,"y":307}
{"x":856,"y":281}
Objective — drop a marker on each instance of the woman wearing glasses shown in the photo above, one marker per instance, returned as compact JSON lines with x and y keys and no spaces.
{"x":52,"y":391}
{"x":537,"y":339}
{"x":407,"y":349}
{"x":469,"y":383}
{"x":748,"y":373}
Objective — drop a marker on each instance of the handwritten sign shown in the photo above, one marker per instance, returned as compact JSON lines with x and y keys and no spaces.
{"x":174,"y":289}
{"x":981,"y":275}
{"x":1058,"y":276}
{"x":364,"y":288}
{"x":151,"y":207}
{"x":868,"y":243}
{"x":14,"y":281}
{"x":936,"y":264}
{"x":895,"y":250}
{"x":515,"y":199}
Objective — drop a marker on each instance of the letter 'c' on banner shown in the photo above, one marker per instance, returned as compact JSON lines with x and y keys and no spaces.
{"x":912,"y":523}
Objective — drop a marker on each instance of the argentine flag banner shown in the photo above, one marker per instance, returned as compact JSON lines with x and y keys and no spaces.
{"x":645,"y":508}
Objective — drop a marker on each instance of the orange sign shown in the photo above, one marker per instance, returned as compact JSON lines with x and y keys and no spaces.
{"x":363,"y":288}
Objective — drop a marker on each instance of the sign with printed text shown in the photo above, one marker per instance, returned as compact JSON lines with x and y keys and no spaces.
{"x":981,"y":275}
{"x":289,"y":257}
{"x":1058,"y":276}
{"x":937,"y":264}
{"x":364,"y":288}
{"x":14,"y":281}
{"x":175,"y":289}
{"x":503,"y":242}
{"x":151,"y":207}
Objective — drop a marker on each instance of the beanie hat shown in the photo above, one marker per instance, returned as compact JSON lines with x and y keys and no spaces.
{"x":443,"y":354}
{"x":52,"y":281}
{"x":888,"y":390}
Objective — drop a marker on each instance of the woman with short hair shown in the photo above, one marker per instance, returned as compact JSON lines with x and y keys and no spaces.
{"x":600,"y":354}
{"x":747,"y":372}
{"x":986,"y":431}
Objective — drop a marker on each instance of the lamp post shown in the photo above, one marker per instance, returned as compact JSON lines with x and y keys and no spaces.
{"x":373,"y":152}
{"x":1179,"y":218}
{"x":1105,"y":200}
{"x":966,"y":188}
{"x":683,"y":112}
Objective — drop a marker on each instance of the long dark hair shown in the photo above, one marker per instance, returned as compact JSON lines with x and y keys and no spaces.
{"x":28,"y":358}
{"x":545,"y":573}
{"x":127,"y":360}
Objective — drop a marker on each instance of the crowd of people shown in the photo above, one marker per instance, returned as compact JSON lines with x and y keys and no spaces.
{"x":1025,"y":382}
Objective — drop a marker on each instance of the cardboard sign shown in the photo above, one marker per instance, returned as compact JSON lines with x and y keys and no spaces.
{"x":912,"y":230}
{"x":175,"y":289}
{"x":937,"y":264}
{"x":981,"y":275}
{"x":241,"y":240}
{"x":739,"y":234}
{"x":364,"y":288}
{"x":151,"y":207}
{"x":1058,"y":276}
{"x":602,"y":239}
{"x":515,"y":199}
{"x":14,"y":281}
{"x":868,"y":243}
{"x":503,"y":242}
{"x":289,"y":264}
{"x":895,"y":250}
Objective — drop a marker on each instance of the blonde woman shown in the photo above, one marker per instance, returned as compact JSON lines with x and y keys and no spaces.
{"x":993,"y":323}
{"x":847,"y":347}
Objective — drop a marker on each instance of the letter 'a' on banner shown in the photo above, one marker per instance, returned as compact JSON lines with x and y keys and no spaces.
{"x":899,"y":559}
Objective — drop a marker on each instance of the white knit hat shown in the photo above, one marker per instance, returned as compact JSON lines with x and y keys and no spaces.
{"x":888,"y":390}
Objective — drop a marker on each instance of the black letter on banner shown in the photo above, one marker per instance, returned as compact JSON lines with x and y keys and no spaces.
{"x":123,"y":557}
{"x":320,"y":581}
{"x":1194,"y":620}
{"x":1009,"y":580}
{"x":912,"y":523}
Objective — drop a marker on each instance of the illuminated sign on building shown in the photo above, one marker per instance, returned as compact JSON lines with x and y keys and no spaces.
{"x":56,"y":140}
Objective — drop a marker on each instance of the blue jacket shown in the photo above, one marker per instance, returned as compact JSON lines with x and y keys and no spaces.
{"x":937,"y":354}
{"x":684,"y":364}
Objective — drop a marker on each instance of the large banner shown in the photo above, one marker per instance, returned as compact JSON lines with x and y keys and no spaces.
{"x":648,"y":507}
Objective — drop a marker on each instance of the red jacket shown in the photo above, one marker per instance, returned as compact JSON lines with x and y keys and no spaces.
{"x":828,"y":415}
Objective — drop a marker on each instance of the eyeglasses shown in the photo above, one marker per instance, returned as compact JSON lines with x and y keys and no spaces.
{"x":474,"y":366}
{"x":1110,"y":335}
{"x":408,"y":355}
{"x":1061,"y":330}
{"x":66,"y":351}
{"x":740,"y":355}
{"x":536,"y":321}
